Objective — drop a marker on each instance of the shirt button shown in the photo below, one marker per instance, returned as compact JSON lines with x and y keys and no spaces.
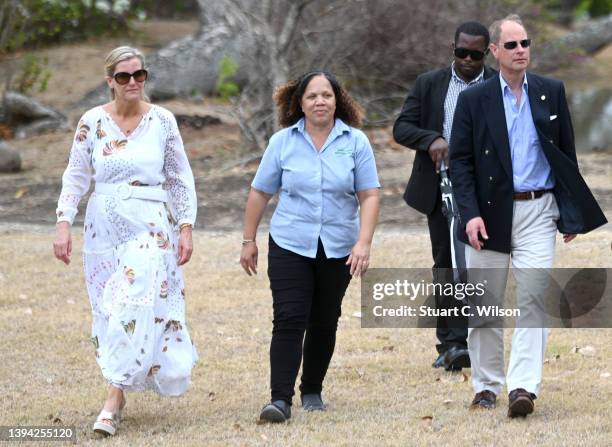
{"x":486,"y":151}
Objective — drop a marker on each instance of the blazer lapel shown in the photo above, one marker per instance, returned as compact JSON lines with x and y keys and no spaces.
{"x":539,"y":101}
{"x":438,"y":98}
{"x":495,"y":118}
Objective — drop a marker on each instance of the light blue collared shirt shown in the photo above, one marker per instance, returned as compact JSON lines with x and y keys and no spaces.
{"x":317,"y":188}
{"x":530,"y":168}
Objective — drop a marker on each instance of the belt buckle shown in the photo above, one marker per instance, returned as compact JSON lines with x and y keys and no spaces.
{"x":124,"y":191}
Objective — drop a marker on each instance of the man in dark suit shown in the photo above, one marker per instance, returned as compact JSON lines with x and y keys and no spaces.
{"x":516,"y":182}
{"x":425,"y":125}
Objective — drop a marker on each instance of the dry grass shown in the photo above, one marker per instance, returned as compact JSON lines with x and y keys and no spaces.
{"x":379,"y":386}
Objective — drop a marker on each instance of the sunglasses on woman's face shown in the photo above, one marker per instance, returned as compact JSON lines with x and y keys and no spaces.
{"x":123,"y":77}
{"x":514,"y":43}
{"x":476,"y":55}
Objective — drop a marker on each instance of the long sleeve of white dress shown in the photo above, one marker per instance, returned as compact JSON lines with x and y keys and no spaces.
{"x":179,"y":178}
{"x":77,"y":176}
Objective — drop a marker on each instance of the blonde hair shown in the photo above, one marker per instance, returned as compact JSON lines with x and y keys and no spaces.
{"x":121,"y":54}
{"x":495,"y":28}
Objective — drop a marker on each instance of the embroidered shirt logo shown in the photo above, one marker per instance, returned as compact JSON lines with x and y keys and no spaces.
{"x":344,"y":152}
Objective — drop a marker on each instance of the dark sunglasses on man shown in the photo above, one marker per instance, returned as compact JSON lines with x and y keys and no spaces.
{"x":123,"y":77}
{"x":514,"y":43}
{"x":476,"y":55}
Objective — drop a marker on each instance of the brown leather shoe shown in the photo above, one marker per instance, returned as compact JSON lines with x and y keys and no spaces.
{"x":520,"y":403}
{"x":484,"y":400}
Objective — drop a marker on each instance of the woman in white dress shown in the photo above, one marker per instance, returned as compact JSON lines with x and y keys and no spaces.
{"x":137,"y":234}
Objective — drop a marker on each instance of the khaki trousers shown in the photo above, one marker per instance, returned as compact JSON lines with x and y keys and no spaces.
{"x":534,"y":231}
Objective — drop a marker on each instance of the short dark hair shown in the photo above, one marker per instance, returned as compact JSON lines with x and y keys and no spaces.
{"x":287,"y":98}
{"x":473,"y":29}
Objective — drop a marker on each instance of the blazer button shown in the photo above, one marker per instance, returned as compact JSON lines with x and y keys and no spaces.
{"x":486,"y":151}
{"x":490,"y":179}
{"x":488,"y":202}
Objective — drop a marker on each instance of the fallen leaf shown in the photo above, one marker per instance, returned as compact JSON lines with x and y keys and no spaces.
{"x":20,"y":192}
{"x":388,"y":348}
{"x":57,"y":421}
{"x":553,"y":359}
{"x":587,"y":351}
{"x":448,"y":401}
{"x":237,"y":427}
{"x":212,"y":396}
{"x":426,"y":422}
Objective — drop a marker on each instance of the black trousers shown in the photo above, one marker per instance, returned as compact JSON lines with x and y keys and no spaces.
{"x":307,"y":295}
{"x":451,"y":331}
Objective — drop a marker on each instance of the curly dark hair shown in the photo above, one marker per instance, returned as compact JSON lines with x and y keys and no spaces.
{"x":287,"y":98}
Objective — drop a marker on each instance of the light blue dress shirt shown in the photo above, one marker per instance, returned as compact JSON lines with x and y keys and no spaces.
{"x":317,"y":188}
{"x":530,"y":168}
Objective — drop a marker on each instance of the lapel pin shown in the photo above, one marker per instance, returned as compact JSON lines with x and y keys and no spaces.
{"x":543,"y":97}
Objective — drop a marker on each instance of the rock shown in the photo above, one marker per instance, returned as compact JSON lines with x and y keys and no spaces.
{"x":10,"y":160}
{"x":28,"y":117}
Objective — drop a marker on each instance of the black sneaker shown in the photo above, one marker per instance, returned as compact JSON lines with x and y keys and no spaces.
{"x":313,"y":402}
{"x":277,"y":411}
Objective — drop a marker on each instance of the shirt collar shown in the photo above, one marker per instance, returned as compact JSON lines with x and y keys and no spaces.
{"x":505,"y":87}
{"x":473,"y":81}
{"x":339,"y":126}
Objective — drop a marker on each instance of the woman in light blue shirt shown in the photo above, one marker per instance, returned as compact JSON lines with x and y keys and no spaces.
{"x":324,"y":171}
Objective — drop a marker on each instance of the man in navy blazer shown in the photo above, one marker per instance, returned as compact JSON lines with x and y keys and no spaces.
{"x":516,"y":182}
{"x":424,"y":125}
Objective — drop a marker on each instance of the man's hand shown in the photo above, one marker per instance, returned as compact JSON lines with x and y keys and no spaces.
{"x":474,"y":227}
{"x":569,"y":237}
{"x":438,"y":151}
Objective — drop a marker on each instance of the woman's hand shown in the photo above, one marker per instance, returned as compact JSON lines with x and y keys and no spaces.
{"x":185,"y":245}
{"x":359,"y":259}
{"x":62,"y":246}
{"x":248,"y":257}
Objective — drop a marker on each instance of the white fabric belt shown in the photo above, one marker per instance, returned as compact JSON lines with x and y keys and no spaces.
{"x":126,"y":191}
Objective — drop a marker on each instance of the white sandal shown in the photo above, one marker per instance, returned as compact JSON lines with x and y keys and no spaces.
{"x":106,"y":424}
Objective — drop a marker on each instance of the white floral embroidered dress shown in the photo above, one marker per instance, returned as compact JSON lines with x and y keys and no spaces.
{"x":134,"y":284}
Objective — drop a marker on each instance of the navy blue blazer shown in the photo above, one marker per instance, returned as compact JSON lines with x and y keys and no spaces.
{"x":481,"y":166}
